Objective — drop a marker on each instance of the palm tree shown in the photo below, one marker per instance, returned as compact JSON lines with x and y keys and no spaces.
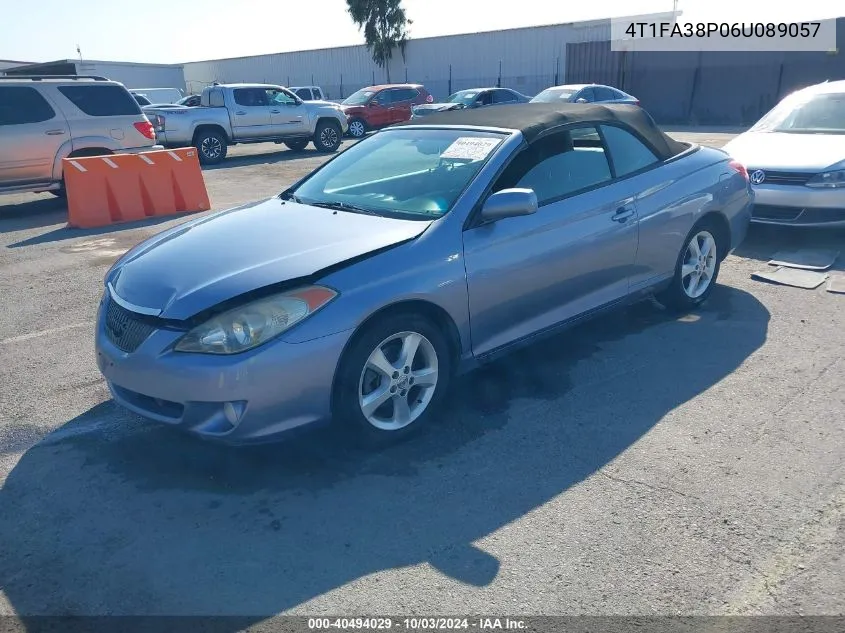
{"x":385,"y":28}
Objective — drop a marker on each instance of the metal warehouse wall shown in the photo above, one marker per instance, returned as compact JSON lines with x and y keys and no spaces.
{"x":530,"y":59}
{"x":725,"y":88}
{"x":137,"y":75}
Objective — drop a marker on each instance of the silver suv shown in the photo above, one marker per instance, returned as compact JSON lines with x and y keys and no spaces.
{"x":46,"y":118}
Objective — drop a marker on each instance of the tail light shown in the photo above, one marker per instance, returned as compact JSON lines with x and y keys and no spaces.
{"x":637,"y":102}
{"x":146,"y":128}
{"x":739,"y":167}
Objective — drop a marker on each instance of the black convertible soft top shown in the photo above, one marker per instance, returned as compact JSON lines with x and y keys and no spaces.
{"x":532,"y":119}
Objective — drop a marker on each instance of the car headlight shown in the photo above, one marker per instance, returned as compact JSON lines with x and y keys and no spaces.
{"x":255,"y":323}
{"x":828,"y":179}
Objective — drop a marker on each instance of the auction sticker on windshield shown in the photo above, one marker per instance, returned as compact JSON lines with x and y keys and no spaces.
{"x":471,"y":148}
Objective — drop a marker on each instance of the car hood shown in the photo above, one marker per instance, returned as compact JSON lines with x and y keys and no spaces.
{"x":429,"y":108}
{"x":200,"y":264}
{"x":779,"y":150}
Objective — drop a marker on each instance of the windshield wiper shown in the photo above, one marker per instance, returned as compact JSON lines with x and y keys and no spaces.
{"x":287,"y":195}
{"x":343,"y":206}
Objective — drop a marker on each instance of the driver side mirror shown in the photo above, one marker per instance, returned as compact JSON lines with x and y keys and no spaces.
{"x":509,"y":203}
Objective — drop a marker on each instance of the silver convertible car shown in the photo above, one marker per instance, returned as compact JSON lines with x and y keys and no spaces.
{"x":359,"y":292}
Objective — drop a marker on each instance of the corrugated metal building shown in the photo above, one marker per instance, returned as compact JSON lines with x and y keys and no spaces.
{"x":526,"y":59}
{"x":130,"y":74}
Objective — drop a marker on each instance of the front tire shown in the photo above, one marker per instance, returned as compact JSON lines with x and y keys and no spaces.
{"x":392,"y":379}
{"x":327,"y":137}
{"x":696,"y":270}
{"x":357,"y":128}
{"x":212,"y":147}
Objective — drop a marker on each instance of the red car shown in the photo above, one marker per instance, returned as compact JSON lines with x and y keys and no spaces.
{"x":379,"y":106}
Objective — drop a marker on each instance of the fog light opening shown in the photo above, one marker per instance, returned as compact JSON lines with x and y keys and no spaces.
{"x":234,"y":411}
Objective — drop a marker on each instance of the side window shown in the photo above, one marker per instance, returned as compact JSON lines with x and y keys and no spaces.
{"x":250,"y":97}
{"x":383,"y":98}
{"x":559,"y":165}
{"x":485,"y":98}
{"x":588,"y":94}
{"x":605,"y":94}
{"x":279,"y":97}
{"x":101,"y":100}
{"x":503,"y":96}
{"x":215,"y":99}
{"x":629,"y":154}
{"x":21,"y":105}
{"x":304,"y":94}
{"x":404,"y":94}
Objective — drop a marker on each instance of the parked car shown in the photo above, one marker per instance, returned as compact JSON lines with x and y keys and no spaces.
{"x":584,"y":93}
{"x":360,"y":291}
{"x":141,"y":99}
{"x":309,"y":93}
{"x":249,"y":113}
{"x":795,"y":157}
{"x":376,"y":107}
{"x":473,"y":98}
{"x":191,"y":101}
{"x":46,"y":118}
{"x":159,"y":95}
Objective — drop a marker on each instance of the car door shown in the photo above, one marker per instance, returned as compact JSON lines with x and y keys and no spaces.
{"x":251,"y":118}
{"x":639,"y":169}
{"x":401,"y":102}
{"x":526,"y":274}
{"x":31,"y":133}
{"x":288,"y":114}
{"x":378,"y":110}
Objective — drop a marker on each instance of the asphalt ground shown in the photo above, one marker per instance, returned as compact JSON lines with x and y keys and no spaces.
{"x":639,"y":464}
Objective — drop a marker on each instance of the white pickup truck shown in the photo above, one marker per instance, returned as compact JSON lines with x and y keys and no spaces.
{"x":249,"y":113}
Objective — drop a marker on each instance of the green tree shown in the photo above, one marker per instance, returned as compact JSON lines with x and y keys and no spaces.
{"x":385,"y":28}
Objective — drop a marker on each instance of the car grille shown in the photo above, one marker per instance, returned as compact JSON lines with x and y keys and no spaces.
{"x":125,"y":329}
{"x":783,"y":177}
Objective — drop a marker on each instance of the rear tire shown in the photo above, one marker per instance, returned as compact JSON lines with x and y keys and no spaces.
{"x":296,"y":146}
{"x":696,"y":270}
{"x":392,"y":379}
{"x":327,"y":136}
{"x":212,"y":147}
{"x":357,"y":128}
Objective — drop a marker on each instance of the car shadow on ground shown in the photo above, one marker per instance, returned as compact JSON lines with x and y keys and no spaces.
{"x":67,"y":233}
{"x":110,"y":514}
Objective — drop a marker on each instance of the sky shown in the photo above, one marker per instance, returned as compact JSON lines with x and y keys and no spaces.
{"x":176,"y":31}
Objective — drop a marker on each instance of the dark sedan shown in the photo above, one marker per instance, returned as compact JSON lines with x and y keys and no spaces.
{"x":473,"y":98}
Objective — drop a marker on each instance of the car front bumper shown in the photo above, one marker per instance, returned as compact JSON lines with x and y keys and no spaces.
{"x":798,"y":205}
{"x":248,"y":398}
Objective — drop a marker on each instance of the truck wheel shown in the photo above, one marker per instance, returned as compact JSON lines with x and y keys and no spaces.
{"x":296,"y":146}
{"x":211,"y":146}
{"x":357,"y":128}
{"x":327,"y":136}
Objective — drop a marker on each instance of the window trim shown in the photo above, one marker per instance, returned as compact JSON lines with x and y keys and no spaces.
{"x":473,"y":217}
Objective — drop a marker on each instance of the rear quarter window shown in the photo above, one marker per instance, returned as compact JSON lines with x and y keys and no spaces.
{"x":101,"y":100}
{"x":21,"y":105}
{"x":629,"y":154}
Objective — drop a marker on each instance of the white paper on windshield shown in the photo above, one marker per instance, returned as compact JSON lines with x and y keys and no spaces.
{"x":470,"y":95}
{"x":471,"y":148}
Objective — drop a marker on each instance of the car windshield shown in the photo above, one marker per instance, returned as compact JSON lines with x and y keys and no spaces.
{"x":358,"y":98}
{"x":812,"y":113}
{"x":413,"y":174}
{"x":550,"y":95}
{"x":464,"y":97}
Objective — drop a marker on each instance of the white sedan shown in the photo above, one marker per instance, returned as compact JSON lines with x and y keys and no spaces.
{"x":795,"y":157}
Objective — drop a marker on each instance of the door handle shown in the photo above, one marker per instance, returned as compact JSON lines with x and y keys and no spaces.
{"x":275,"y":112}
{"x":622,"y":214}
{"x":240,"y":112}
{"x":54,"y":132}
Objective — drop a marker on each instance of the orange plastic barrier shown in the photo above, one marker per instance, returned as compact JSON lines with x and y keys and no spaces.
{"x":103,"y":190}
